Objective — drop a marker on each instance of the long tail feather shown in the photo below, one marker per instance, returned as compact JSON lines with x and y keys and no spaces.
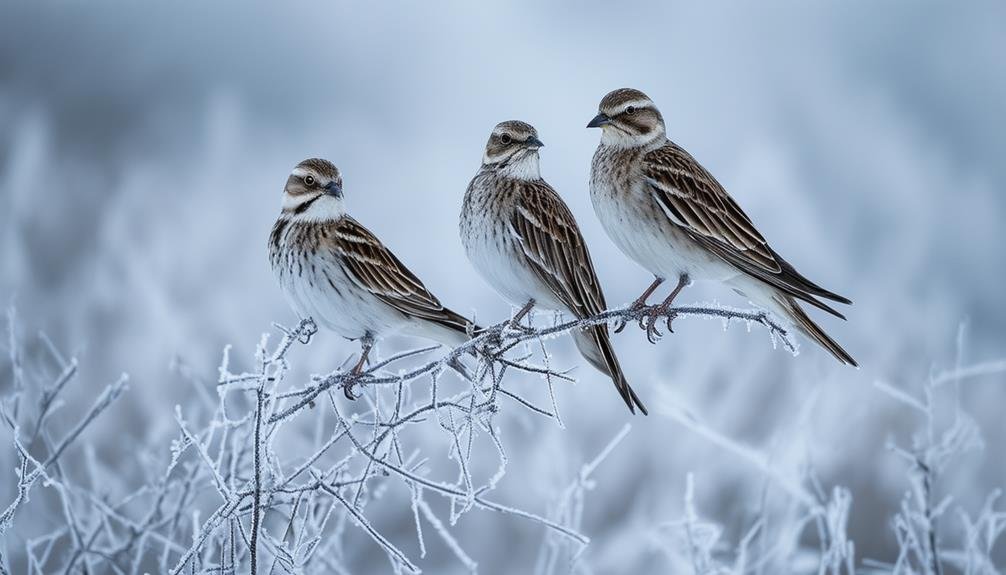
{"x":807,"y":326}
{"x":595,"y":346}
{"x":797,"y":280}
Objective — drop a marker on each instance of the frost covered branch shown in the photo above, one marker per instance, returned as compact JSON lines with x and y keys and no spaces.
{"x":288,"y":509}
{"x":505,"y":336}
{"x":275,"y":475}
{"x":773,"y":543}
{"x":696,"y":545}
{"x":933,"y":448}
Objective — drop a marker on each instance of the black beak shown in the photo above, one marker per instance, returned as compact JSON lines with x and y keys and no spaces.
{"x":334,"y":189}
{"x":599,"y":120}
{"x":535,"y":143}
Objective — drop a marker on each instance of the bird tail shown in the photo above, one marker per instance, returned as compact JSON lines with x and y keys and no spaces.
{"x":449,"y":328}
{"x":797,"y":280}
{"x":792,"y":310}
{"x":595,"y":346}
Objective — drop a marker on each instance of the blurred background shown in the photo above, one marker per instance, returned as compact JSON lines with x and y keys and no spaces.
{"x":144,"y":148}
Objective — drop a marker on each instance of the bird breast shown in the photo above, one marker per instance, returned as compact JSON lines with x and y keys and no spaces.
{"x":316,"y":284}
{"x":494,"y":248}
{"x":635,"y":222}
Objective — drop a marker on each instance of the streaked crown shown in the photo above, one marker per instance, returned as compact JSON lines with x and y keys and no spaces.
{"x":511,"y":140}
{"x":618,"y":100}
{"x":628,"y":118}
{"x":314,"y":191}
{"x":313,"y":176}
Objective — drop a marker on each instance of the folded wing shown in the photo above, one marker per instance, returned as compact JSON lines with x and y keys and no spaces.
{"x":555,"y":250}
{"x":372,"y":265}
{"x":694,"y":200}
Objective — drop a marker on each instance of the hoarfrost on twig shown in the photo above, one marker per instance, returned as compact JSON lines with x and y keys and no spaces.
{"x":229,"y":450}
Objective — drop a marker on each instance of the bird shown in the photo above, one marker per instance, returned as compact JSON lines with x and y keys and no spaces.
{"x":338,"y":273}
{"x":669,"y":214}
{"x":521,"y":237}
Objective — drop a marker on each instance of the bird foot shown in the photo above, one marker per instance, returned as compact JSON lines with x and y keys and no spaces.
{"x":347,"y":386}
{"x":653,"y":335}
{"x":353,"y":378}
{"x":635,"y":307}
{"x":648,"y":322}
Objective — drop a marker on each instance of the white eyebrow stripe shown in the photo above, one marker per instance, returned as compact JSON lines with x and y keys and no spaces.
{"x":637,"y":104}
{"x":299,"y":172}
{"x":634,"y":104}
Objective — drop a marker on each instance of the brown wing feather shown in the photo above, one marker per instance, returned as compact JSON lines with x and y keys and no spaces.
{"x":704,"y":206}
{"x":377,"y":270}
{"x":697,"y":202}
{"x":555,"y":249}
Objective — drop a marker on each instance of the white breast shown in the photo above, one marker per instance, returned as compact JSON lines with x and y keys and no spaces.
{"x":495,"y":252}
{"x":317,"y":286}
{"x":635,"y":222}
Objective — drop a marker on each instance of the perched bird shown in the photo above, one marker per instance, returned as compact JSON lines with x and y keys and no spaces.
{"x":523,"y":240}
{"x":334,"y":270}
{"x":666,"y":212}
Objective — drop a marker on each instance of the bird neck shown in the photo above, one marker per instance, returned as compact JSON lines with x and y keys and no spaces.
{"x":523,"y":166}
{"x":318,"y":208}
{"x":617,"y":139}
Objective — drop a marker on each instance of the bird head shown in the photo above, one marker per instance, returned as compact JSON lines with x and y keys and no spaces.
{"x":628,"y":118}
{"x":314,"y":190}
{"x":513,"y":147}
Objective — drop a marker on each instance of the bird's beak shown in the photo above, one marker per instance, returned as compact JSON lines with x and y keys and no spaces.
{"x":599,"y":120}
{"x":535,"y":143}
{"x":334,"y":189}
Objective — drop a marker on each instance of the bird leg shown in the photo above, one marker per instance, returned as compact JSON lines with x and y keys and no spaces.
{"x":640,"y":302}
{"x":491,"y":350}
{"x":515,"y":320}
{"x":652,"y":335}
{"x":367,"y":343}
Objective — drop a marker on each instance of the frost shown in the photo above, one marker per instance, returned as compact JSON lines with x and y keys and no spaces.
{"x":774,"y":544}
{"x":222,"y":497}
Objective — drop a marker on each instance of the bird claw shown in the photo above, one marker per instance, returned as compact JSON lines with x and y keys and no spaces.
{"x":653,"y":335}
{"x":643,"y":322}
{"x":648,"y":323}
{"x":352,"y":380}
{"x":348,"y":385}
{"x":670,"y":320}
{"x":622,"y":322}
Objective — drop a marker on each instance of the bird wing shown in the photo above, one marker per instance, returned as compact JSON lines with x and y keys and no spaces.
{"x":374,"y":268}
{"x":693,"y":199}
{"x":554,"y":248}
{"x":696,"y":201}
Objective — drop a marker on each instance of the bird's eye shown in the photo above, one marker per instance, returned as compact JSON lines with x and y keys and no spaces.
{"x":506,"y":139}
{"x":630,"y":110}
{"x":309,"y":180}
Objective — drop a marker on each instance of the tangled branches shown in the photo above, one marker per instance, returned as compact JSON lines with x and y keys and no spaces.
{"x":282,"y":502}
{"x":494,"y":342}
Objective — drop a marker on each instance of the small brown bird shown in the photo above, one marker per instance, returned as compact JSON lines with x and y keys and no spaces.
{"x":666,"y":212}
{"x":334,"y":270}
{"x":523,"y":240}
